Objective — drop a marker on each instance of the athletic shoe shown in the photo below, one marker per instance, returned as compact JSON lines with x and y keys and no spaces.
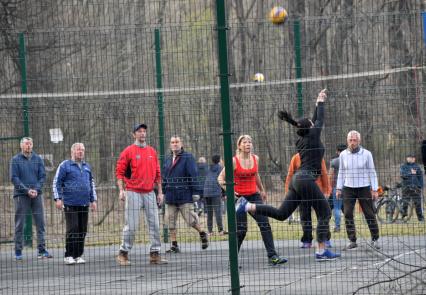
{"x":375,"y":244}
{"x":18,"y":255}
{"x":44,"y":254}
{"x":123,"y":258}
{"x":204,"y":240}
{"x":306,"y":245}
{"x":69,"y":260}
{"x":155,"y":258}
{"x":327,"y":255}
{"x":350,"y":246}
{"x":328,"y":244}
{"x":275,"y":260}
{"x":80,"y":260}
{"x":240,"y":207}
{"x":173,"y":249}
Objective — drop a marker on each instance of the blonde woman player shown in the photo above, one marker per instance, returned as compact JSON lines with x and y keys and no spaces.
{"x":249,"y":185}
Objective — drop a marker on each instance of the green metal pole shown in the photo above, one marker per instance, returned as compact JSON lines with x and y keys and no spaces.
{"x":160,"y":106}
{"x":298,"y":63}
{"x":28,"y":228}
{"x":227,"y":146}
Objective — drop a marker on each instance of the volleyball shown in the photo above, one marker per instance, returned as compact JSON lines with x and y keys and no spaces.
{"x":278,"y":15}
{"x":258,"y":77}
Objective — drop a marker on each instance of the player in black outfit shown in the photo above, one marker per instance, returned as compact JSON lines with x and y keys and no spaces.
{"x":303,"y":187}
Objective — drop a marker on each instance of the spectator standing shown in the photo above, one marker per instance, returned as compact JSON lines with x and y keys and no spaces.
{"x":28,"y":174}
{"x":412,"y":184}
{"x":137,"y":172}
{"x":74,"y":192}
{"x":213,"y":196}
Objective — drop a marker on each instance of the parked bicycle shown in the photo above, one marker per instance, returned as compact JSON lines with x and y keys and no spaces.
{"x":391,"y":207}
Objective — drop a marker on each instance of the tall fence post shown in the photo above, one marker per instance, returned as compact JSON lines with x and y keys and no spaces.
{"x":160,"y":106}
{"x":28,"y":228}
{"x":226,"y":125}
{"x":298,"y":64}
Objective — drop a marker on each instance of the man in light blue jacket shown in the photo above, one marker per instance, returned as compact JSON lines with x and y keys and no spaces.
{"x":74,"y":192}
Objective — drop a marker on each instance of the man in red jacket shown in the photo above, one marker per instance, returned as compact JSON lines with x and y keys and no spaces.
{"x":137,"y":172}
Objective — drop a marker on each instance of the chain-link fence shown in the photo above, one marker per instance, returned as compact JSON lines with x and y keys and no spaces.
{"x":88,"y":71}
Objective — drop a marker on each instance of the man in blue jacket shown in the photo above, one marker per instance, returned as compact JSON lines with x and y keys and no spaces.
{"x":74,"y":191}
{"x":412,"y":184}
{"x":27,"y":174}
{"x":181,"y":187}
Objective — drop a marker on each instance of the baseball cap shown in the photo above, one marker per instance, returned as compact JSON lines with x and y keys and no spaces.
{"x":139,"y":126}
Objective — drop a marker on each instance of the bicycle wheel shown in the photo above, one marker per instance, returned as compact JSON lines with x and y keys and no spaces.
{"x":404,"y":210}
{"x":386,"y":211}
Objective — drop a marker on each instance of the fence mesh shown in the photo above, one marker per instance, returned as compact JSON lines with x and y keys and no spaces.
{"x":87,"y":71}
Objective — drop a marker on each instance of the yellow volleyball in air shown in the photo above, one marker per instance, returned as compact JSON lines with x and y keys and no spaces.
{"x":278,"y":15}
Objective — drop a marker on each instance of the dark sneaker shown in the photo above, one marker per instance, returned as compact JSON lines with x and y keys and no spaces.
{"x":275,"y":260}
{"x":204,"y":240}
{"x":306,"y":245}
{"x":240,"y":206}
{"x":350,"y":246}
{"x":326,"y":256}
{"x":18,"y":255}
{"x":173,"y":249}
{"x":44,"y":254}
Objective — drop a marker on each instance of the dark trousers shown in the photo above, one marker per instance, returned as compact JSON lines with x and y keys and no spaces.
{"x":305,"y":192}
{"x":363,"y":195}
{"x":262,"y":222}
{"x":305,"y":209}
{"x":214,"y":205}
{"x":76,"y":218}
{"x":415,"y":195}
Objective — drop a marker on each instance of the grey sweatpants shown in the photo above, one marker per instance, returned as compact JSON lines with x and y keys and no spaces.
{"x":22,"y":206}
{"x":134,"y":203}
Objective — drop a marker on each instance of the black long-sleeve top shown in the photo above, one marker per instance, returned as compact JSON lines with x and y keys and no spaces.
{"x":310,"y":147}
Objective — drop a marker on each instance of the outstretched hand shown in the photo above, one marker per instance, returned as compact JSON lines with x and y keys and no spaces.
{"x":322,"y":95}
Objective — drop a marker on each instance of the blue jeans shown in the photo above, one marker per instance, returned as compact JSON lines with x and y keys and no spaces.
{"x":22,"y":206}
{"x":337,"y":208}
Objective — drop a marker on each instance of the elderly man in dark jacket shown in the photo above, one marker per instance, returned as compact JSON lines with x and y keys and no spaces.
{"x":412,"y":184}
{"x":180,"y":184}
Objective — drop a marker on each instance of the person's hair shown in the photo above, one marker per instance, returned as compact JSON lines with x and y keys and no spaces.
{"x":215,"y":159}
{"x":74,"y":146}
{"x":303,"y":125}
{"x":354,"y":132}
{"x":240,"y":139}
{"x":25,"y":139}
{"x":177,"y":137}
{"x":341,"y":147}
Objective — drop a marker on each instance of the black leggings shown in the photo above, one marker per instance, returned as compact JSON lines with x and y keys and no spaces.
{"x":305,"y":192}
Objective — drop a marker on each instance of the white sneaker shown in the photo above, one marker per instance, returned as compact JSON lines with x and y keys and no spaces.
{"x":375,"y":244}
{"x":69,"y":260}
{"x":80,"y":260}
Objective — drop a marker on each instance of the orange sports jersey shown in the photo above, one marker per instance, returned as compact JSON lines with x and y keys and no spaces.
{"x":322,"y":181}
